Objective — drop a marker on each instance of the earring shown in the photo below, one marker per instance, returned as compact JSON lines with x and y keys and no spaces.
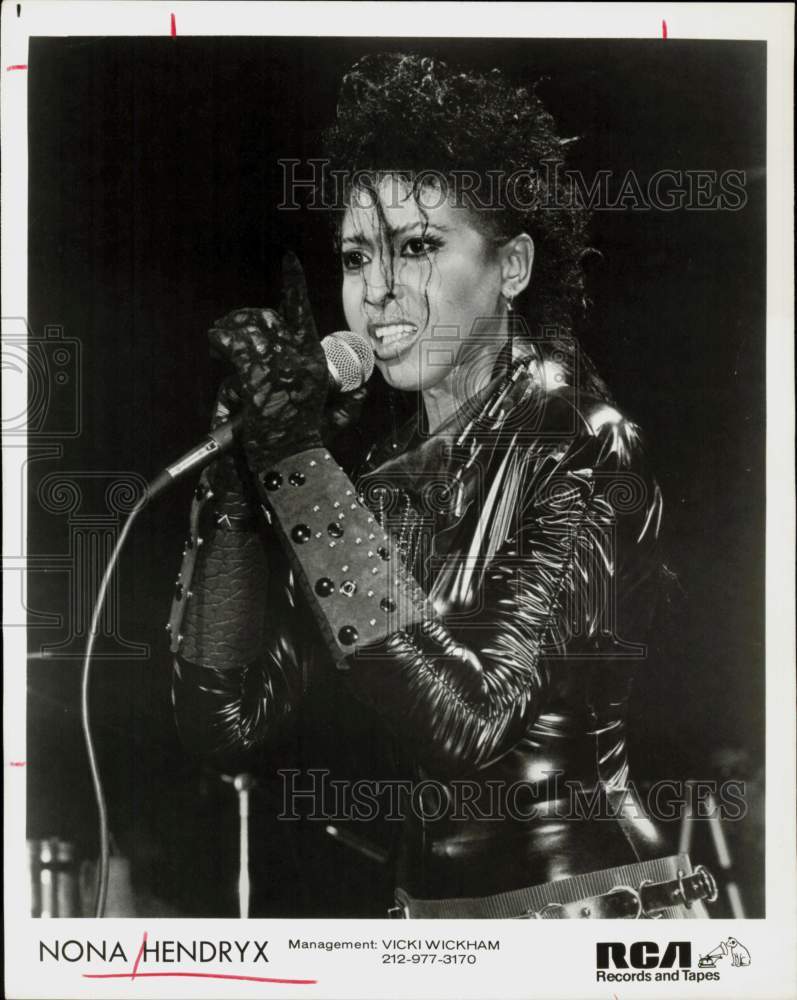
{"x":509,"y":299}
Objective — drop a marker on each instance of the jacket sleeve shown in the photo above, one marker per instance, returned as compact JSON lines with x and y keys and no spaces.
{"x":239,"y":675}
{"x":463,"y":691}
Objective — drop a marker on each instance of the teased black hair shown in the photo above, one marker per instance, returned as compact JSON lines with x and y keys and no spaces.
{"x":414,"y":114}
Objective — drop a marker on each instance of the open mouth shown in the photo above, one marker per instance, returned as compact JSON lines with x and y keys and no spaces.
{"x":390,"y":340}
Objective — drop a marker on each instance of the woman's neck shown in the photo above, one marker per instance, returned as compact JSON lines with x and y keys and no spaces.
{"x":471,"y":374}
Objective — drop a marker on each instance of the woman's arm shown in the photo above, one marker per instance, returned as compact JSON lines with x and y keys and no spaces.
{"x":238,"y":670}
{"x":239,"y":674}
{"x":240,"y":641}
{"x":462,"y":692}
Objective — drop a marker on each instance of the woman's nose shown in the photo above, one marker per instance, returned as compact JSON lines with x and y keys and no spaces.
{"x":381,"y":287}
{"x":379,"y":297}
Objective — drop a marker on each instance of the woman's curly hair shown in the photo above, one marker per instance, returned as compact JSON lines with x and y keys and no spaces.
{"x":412,"y":115}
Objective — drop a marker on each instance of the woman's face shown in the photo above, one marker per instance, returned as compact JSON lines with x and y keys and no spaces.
{"x":418,"y":281}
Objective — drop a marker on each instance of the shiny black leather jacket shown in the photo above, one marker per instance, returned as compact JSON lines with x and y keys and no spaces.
{"x":540,"y":555}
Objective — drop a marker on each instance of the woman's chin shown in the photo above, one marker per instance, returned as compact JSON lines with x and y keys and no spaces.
{"x":408,"y":374}
{"x":400,"y":375}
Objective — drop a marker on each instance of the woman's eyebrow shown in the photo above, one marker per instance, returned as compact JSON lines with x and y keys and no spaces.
{"x":423,"y":226}
{"x":358,"y":238}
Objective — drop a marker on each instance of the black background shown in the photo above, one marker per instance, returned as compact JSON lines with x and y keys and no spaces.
{"x":153,"y":190}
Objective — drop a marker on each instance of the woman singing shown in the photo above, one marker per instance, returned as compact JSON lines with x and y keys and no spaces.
{"x":479,"y":581}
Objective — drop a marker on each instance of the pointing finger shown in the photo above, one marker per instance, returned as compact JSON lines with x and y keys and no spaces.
{"x":296,"y":307}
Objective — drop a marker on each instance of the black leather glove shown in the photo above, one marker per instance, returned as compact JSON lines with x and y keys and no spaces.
{"x":282,"y":372}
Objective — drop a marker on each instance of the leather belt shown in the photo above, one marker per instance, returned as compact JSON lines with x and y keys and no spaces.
{"x":642,"y":890}
{"x":649,"y":900}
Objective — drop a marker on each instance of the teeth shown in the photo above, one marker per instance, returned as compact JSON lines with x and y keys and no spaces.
{"x":395,"y":329}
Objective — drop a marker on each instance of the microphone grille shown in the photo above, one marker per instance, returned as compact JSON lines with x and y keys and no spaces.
{"x":350,"y":359}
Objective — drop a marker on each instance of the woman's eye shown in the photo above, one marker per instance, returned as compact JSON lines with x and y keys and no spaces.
{"x":419,"y":246}
{"x":353,"y":260}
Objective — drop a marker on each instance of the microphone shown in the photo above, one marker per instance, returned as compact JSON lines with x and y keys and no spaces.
{"x":350,"y":363}
{"x":350,"y":360}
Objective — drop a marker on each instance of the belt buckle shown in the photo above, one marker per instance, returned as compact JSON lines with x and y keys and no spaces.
{"x":709,"y":883}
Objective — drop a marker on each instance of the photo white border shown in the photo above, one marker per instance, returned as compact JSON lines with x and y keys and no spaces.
{"x":532,"y":963}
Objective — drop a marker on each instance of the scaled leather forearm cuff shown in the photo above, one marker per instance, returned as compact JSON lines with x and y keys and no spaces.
{"x":229,"y":520}
{"x":349,"y":568}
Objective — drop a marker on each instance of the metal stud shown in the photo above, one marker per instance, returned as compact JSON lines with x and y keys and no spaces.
{"x":348,"y":635}
{"x":301,"y":533}
{"x":271,"y":480}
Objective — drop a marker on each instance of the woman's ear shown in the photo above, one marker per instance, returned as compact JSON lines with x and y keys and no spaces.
{"x":517,"y":260}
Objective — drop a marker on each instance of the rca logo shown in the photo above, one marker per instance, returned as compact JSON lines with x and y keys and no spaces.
{"x":643,"y":955}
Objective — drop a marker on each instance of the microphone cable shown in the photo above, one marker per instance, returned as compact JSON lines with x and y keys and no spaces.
{"x":85,"y":715}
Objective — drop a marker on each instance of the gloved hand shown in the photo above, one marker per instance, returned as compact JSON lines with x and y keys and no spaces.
{"x":282,"y":372}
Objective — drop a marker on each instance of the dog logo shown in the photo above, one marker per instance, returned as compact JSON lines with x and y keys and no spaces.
{"x":739,"y":955}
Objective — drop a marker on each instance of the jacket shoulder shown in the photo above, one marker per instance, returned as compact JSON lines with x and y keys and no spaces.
{"x":570,"y":423}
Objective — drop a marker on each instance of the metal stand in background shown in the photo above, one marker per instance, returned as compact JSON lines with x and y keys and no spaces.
{"x":243,"y":783}
{"x":53,"y":871}
{"x":720,"y":849}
